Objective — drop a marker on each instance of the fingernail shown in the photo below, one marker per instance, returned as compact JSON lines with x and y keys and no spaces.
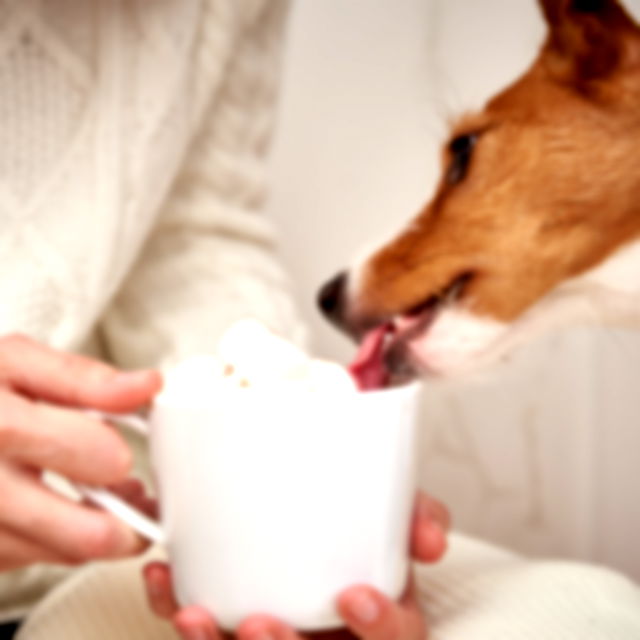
{"x":444,"y":539}
{"x":437,"y":529}
{"x":423,"y":509}
{"x":155,"y":590}
{"x":134,"y":377}
{"x":364,"y":608}
{"x":129,"y":540}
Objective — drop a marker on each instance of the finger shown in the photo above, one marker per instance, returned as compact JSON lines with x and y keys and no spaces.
{"x":71,"y":379}
{"x":372,"y":616}
{"x":429,"y":529}
{"x":259,"y":627}
{"x":428,"y":543}
{"x":194,"y":623}
{"x":75,"y":445}
{"x":66,"y":528}
{"x":429,"y":507}
{"x":17,"y":552}
{"x":133,"y":492}
{"x":157,"y":578}
{"x":130,"y":490}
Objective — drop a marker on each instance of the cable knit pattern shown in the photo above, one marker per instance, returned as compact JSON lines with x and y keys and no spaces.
{"x":478,"y":592}
{"x":208,"y":245}
{"x":134,"y":133}
{"x":133,"y":137}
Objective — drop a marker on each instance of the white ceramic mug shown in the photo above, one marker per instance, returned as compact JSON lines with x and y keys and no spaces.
{"x":275,"y":503}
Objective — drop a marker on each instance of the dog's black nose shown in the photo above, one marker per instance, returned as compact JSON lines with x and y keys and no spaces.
{"x":331,"y":297}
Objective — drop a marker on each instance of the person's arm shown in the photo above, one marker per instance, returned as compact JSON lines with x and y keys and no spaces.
{"x":211,"y":258}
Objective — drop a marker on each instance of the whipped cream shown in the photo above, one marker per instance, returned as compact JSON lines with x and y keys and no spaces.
{"x":250,"y":356}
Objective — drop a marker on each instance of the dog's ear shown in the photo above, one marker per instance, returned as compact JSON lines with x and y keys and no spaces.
{"x":588,"y":39}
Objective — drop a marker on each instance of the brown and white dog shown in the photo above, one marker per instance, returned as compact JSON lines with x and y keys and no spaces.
{"x":535,"y":223}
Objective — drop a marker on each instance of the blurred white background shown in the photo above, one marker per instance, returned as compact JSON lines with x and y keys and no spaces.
{"x":543,"y":454}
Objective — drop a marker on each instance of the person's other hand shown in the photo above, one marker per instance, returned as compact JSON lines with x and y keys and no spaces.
{"x":367,"y":614}
{"x":41,"y":428}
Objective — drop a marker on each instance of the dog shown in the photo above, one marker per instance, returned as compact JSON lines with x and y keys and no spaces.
{"x":535,"y":223}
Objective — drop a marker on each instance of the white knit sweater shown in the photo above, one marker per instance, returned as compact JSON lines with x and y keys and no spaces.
{"x":132,"y":139}
{"x":478,"y":592}
{"x":132,"y":136}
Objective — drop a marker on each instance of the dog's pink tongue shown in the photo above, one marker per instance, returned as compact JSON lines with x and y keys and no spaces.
{"x":368,"y":368}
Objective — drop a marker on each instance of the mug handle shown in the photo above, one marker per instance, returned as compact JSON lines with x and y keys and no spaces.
{"x":138,"y":521}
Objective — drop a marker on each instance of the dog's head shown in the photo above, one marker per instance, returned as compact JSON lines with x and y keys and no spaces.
{"x":537,"y":191}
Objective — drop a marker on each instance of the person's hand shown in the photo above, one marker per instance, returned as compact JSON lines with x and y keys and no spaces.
{"x":367,"y":613}
{"x":41,"y":428}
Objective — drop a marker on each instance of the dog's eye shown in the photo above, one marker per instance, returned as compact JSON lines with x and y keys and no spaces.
{"x":460,"y":149}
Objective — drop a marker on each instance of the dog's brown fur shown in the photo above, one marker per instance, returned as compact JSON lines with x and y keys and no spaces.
{"x":552,"y":187}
